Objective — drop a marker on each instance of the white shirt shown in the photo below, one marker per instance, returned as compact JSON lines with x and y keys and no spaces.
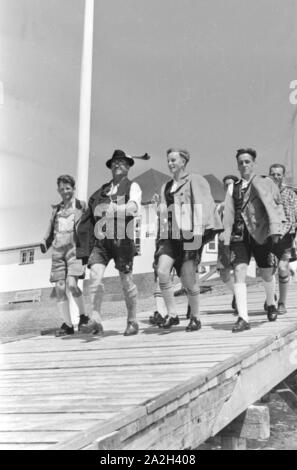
{"x":134,"y":195}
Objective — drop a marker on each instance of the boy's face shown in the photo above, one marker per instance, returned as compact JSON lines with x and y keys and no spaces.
{"x":66,"y":191}
{"x":246,"y":165}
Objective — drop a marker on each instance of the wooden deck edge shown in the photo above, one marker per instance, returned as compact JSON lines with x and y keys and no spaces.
{"x":17,"y":338}
{"x":223,"y":372}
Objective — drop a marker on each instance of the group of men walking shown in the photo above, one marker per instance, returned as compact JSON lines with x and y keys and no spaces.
{"x":258,"y":218}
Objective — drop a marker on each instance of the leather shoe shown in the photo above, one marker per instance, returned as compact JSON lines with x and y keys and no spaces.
{"x":194,"y":324}
{"x":281,"y":308}
{"x":272,"y":312}
{"x":92,"y":327}
{"x":132,"y":328}
{"x":241,"y":325}
{"x":189,"y":312}
{"x":156,"y":319}
{"x":64,"y":330}
{"x":83,"y":320}
{"x":170,"y":321}
{"x":265,"y":303}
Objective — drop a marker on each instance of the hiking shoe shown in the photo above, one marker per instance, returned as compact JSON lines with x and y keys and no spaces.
{"x":265,"y":303}
{"x":272,"y":312}
{"x":188,"y":312}
{"x":92,"y":326}
{"x":241,"y":325}
{"x":64,"y":330}
{"x":194,"y":324}
{"x":170,"y":321}
{"x":132,"y":328}
{"x":281,"y":308}
{"x":156,"y":319}
{"x":83,"y":320}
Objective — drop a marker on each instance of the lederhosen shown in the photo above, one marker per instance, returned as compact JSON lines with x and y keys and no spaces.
{"x":174,"y":246}
{"x":118,"y":242}
{"x":242,"y":244}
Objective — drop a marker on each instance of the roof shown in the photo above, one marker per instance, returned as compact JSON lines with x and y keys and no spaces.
{"x":216,"y":187}
{"x":151,"y":181}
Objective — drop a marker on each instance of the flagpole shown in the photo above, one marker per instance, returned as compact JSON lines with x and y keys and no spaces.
{"x":85,"y":103}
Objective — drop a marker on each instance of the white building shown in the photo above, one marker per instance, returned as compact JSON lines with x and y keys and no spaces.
{"x":26,"y":268}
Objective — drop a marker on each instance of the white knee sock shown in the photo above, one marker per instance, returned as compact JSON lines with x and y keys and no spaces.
{"x":64,"y":311}
{"x":79,"y":300}
{"x":193,"y":299}
{"x":168,"y":296}
{"x":270,"y":291}
{"x":241,"y":300}
{"x":96,"y":294}
{"x":159,"y":301}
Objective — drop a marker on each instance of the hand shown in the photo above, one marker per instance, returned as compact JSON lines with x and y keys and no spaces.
{"x":43,"y":248}
{"x":275,"y":238}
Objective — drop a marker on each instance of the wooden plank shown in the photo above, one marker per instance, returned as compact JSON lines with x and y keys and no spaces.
{"x":35,"y":437}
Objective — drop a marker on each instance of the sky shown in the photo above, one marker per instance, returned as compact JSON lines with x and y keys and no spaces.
{"x":210,"y":76}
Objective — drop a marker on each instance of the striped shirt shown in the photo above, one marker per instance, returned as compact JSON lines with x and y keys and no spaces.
{"x":289,"y":200}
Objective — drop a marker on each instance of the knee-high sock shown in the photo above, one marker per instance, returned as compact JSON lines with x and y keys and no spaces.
{"x":130,"y":295}
{"x":240,"y":292}
{"x":193,"y":300}
{"x":270,"y":291}
{"x":230,"y":285}
{"x":79,"y":300}
{"x":168,"y":296}
{"x":64,"y":311}
{"x":96,"y":295}
{"x":159,"y":301}
{"x":283,"y":287}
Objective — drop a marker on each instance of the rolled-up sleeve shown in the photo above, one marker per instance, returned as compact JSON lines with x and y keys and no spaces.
{"x":135,"y":196}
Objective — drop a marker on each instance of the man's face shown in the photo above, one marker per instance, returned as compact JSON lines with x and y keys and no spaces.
{"x":119,"y":167}
{"x":245,"y":165}
{"x":277,"y":174}
{"x":66,"y":191}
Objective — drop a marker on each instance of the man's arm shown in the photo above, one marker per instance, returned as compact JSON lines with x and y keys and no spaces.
{"x":229,"y":214}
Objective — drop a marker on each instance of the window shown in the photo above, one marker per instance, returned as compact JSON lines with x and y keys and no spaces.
{"x":137,"y":234}
{"x":27,"y":257}
{"x":212,"y":247}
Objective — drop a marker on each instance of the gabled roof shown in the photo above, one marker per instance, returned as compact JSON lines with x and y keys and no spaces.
{"x":151,"y":181}
{"x":216,"y":187}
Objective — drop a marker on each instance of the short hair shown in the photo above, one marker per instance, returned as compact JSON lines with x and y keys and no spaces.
{"x":278,"y":165}
{"x":230,"y":177}
{"x":66,"y":179}
{"x":182,"y":152}
{"x":250,"y":151}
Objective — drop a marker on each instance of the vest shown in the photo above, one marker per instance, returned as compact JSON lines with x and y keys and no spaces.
{"x":99,"y":203}
{"x":238,"y":194}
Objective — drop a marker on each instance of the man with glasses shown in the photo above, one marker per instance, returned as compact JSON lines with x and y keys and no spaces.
{"x":108,"y":233}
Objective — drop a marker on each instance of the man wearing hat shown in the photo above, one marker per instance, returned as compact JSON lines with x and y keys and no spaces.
{"x":106,"y":233}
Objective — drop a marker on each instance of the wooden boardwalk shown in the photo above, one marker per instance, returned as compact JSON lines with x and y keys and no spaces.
{"x":156,"y":390}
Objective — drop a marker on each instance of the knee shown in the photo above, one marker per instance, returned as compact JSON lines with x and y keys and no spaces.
{"x":61,"y":290}
{"x":240,"y":273}
{"x":163,"y":274}
{"x":127,"y":283}
{"x":75,"y":290}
